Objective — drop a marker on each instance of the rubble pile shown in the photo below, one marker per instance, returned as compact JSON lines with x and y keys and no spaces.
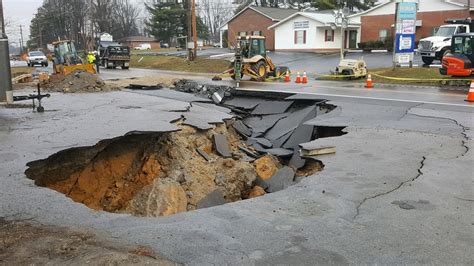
{"x":78,"y":81}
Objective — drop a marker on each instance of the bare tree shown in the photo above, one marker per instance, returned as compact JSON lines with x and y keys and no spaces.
{"x":126,"y":16}
{"x":214,"y":13}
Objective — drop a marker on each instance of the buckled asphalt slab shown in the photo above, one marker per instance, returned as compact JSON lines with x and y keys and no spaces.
{"x":395,"y":151}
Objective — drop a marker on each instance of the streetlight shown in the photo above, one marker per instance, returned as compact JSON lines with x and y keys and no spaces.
{"x":342,"y":20}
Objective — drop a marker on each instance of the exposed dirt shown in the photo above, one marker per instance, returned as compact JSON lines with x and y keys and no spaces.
{"x":146,"y":81}
{"x":25,"y":243}
{"x":156,"y":174}
{"x":78,"y":81}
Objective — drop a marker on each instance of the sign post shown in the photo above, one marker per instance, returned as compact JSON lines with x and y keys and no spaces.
{"x":405,"y":28}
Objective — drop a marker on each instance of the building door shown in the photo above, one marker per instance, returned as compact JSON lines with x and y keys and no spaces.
{"x":352,"y":39}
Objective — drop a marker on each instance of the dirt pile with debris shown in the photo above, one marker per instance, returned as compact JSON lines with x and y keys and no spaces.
{"x":26,"y":243}
{"x":158,"y":174}
{"x":78,"y":81}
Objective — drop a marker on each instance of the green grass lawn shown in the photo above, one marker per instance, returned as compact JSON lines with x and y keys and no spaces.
{"x":201,"y":65}
{"x":414,"y":76}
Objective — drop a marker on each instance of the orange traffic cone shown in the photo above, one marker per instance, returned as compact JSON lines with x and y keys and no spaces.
{"x":369,"y":84}
{"x":470,"y":94}
{"x":298,"y":78}
{"x":305,"y":78}
{"x":287,"y":76}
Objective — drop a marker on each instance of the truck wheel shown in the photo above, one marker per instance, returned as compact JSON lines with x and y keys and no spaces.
{"x":261,"y":69}
{"x":443,"y":55}
{"x":46,"y":65}
{"x":427,"y":60}
{"x":125,"y":67}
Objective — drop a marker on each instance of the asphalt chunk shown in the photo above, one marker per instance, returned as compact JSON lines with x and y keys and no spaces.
{"x":241,"y":128}
{"x":264,"y":142}
{"x":215,"y":198}
{"x":282,"y":179}
{"x":261,"y":124}
{"x":296,"y":161}
{"x":272,"y":107}
{"x":222,"y":145}
{"x":280,"y":152}
{"x":301,"y":134}
{"x":291,"y":122}
{"x":203,"y":154}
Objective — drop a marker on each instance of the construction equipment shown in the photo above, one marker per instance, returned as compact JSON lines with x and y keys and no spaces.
{"x":437,"y":46}
{"x":38,"y":97}
{"x":460,"y":61}
{"x":251,"y":59}
{"x":352,"y":68}
{"x":66,"y":60}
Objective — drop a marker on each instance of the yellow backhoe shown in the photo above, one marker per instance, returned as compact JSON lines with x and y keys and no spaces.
{"x":66,"y":60}
{"x":251,"y":59}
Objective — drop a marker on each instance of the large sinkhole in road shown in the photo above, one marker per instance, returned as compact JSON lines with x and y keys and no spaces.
{"x":164,"y":173}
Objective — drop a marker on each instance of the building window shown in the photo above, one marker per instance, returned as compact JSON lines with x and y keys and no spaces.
{"x":242,"y":33}
{"x":383,"y":35}
{"x":300,"y":37}
{"x":257,"y":33}
{"x":329,"y":35}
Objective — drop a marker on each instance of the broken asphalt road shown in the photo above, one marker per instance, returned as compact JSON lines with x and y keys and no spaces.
{"x":394,"y":151}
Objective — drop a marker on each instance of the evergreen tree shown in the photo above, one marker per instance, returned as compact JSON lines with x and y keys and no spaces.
{"x":170,"y":20}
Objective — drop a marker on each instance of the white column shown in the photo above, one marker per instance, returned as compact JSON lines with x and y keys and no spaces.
{"x":220,"y":38}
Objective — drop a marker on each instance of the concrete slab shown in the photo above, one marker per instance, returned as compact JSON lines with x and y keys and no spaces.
{"x":335,"y":217}
{"x":301,"y":134}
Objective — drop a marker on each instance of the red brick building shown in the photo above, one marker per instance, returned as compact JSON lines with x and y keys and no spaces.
{"x":255,"y":21}
{"x":135,"y":41}
{"x":377,"y":23}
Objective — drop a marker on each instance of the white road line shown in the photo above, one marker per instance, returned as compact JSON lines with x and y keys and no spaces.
{"x":367,"y":98}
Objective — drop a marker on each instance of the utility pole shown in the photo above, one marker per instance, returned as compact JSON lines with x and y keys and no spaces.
{"x":190,"y":31}
{"x":6,"y":92}
{"x":21,"y":39}
{"x":194,"y":29}
{"x":41,"y":36}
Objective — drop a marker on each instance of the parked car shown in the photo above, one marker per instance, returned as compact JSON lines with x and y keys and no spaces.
{"x":143,"y":46}
{"x":36,"y":58}
{"x":164,"y":45}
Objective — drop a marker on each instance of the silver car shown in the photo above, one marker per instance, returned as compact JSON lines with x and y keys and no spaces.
{"x":36,"y":58}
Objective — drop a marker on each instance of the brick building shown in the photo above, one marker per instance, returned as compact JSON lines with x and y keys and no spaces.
{"x":377,"y":22}
{"x":134,"y":41}
{"x":254,"y":20}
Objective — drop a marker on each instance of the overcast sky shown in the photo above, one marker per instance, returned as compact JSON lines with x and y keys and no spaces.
{"x":21,"y":12}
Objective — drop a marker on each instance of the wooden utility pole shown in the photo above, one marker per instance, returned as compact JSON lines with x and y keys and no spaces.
{"x":190,"y":31}
{"x":6,"y":92}
{"x":194,"y":29}
{"x":21,"y":39}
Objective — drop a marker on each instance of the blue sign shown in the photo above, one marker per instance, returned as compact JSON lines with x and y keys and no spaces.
{"x":407,"y":10}
{"x":405,"y":43}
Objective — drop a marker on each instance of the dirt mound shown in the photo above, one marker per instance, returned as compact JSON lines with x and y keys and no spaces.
{"x":78,"y":81}
{"x":23,"y":243}
{"x":156,"y":174}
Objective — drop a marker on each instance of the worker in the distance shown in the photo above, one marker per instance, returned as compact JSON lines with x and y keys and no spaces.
{"x":91,"y":58}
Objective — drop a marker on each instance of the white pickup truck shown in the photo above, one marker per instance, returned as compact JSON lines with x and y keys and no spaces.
{"x":435,"y":47}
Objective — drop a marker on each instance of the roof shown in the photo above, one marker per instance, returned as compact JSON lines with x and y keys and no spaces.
{"x":453,"y":2}
{"x":273,"y":13}
{"x":461,"y":2}
{"x":138,"y":39}
{"x":322,"y":17}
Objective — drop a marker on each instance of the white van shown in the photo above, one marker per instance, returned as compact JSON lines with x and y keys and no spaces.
{"x":143,"y":46}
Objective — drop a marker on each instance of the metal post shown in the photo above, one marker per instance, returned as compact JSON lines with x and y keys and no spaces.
{"x":342,"y":39}
{"x":21,"y":39}
{"x":6,"y":92}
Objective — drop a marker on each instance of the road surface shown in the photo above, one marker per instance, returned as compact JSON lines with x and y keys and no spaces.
{"x":399,"y":189}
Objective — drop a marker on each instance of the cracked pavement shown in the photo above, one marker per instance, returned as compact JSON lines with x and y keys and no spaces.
{"x":419,"y":154}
